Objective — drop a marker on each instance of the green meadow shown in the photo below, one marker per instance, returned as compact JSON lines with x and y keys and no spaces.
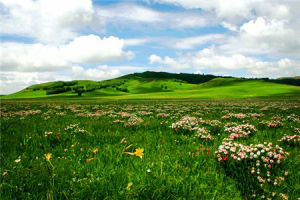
{"x":152,"y":136}
{"x":151,"y":149}
{"x":161,"y":85}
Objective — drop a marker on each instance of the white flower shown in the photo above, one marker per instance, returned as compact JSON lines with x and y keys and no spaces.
{"x":148,"y":170}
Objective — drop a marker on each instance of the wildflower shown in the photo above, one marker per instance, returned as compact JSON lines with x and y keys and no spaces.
{"x":123,"y":140}
{"x":18,"y":160}
{"x":148,"y":170}
{"x":283,"y":196}
{"x":129,"y":185}
{"x":225,"y":158}
{"x":90,"y":159}
{"x":138,"y":152}
{"x":95,"y":151}
{"x":48,"y":156}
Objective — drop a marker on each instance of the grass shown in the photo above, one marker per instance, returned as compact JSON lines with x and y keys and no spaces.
{"x":175,"y":165}
{"x":161,"y":88}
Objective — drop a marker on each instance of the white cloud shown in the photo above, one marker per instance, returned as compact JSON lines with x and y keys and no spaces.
{"x":82,"y":50}
{"x":261,"y":26}
{"x":94,"y":73}
{"x":54,"y":21}
{"x":173,"y":64}
{"x":235,"y":11}
{"x":229,"y":9}
{"x":137,"y":16}
{"x":136,"y":41}
{"x":229,"y":26}
{"x":192,"y":42}
{"x":31,"y":57}
{"x":177,"y":43}
{"x":155,"y":59}
{"x":262,"y":36}
{"x":209,"y":59}
{"x":93,"y":49}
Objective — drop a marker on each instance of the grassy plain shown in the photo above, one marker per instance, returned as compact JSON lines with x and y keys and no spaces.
{"x":64,"y":149}
{"x":149,"y":88}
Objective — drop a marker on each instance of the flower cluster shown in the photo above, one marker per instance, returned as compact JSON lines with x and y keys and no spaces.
{"x":212,"y":122}
{"x":256,"y":115}
{"x":144,"y":113}
{"x":125,"y":114}
{"x":162,"y":115}
{"x":134,"y":121}
{"x":261,"y":161}
{"x":271,"y":124}
{"x":186,"y":124}
{"x":233,"y":115}
{"x":75,"y":128}
{"x":239,"y":131}
{"x":290,"y":139}
{"x":47,"y":133}
{"x":293,"y":118}
{"x":202,"y":133}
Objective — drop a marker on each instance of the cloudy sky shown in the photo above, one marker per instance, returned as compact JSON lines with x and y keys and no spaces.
{"x":48,"y":40}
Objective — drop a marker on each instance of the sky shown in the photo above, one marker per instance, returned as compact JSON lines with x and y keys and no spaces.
{"x":50,"y":40}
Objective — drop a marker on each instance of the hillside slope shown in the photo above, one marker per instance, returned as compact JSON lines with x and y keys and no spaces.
{"x":158,"y":85}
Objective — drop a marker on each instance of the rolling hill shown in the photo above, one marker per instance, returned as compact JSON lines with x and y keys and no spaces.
{"x":161,"y":85}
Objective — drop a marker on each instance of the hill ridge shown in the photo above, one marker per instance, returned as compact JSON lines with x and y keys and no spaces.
{"x":162,"y":84}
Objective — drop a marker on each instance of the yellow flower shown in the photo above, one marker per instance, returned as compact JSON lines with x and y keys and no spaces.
{"x":138,"y":152}
{"x":48,"y":156}
{"x":95,"y":150}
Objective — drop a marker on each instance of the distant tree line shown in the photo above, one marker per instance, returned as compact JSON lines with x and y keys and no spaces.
{"x":122,"y":89}
{"x":189,"y":78}
{"x":59,"y":87}
{"x":289,"y":81}
{"x":202,"y":78}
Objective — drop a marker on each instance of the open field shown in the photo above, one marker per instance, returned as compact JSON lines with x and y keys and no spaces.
{"x":150,"y":149}
{"x":155,"y":85}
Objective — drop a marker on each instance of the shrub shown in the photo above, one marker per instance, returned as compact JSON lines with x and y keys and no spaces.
{"x":70,"y":83}
{"x":57,"y":90}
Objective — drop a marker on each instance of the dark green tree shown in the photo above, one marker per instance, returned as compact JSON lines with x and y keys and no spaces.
{"x":79,"y":90}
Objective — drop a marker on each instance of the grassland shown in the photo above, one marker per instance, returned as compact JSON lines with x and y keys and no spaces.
{"x":153,"y":88}
{"x":90,"y":149}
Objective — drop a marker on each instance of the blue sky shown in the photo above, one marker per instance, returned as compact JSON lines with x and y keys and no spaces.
{"x":48,"y":40}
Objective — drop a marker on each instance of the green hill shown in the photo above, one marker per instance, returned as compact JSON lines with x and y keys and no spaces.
{"x":158,"y":85}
